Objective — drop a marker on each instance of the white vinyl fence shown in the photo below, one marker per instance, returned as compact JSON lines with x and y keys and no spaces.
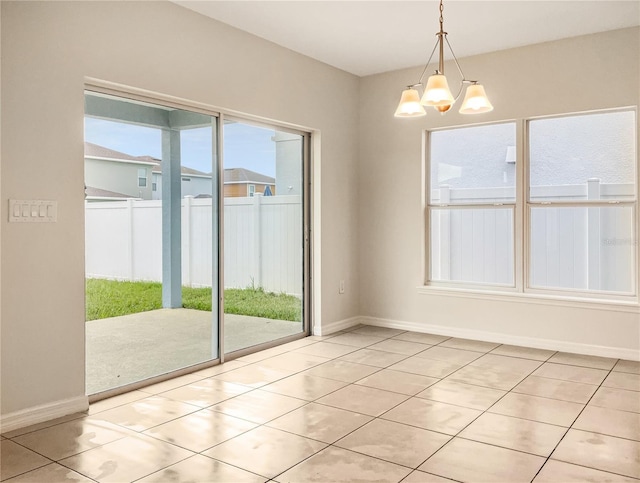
{"x":262,"y":235}
{"x":584,"y":248}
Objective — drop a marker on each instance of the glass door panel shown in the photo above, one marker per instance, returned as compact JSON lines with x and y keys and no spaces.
{"x":263,"y":235}
{"x":151,"y":244}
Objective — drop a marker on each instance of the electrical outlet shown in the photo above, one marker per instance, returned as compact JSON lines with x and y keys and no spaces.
{"x":341,"y":288}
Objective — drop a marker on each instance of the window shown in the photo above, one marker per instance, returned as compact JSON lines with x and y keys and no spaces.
{"x":572,"y":231}
{"x":471,"y":205}
{"x":252,"y":189}
{"x":582,"y":202}
{"x":142,"y":177}
{"x":154,"y":186}
{"x":186,"y":179}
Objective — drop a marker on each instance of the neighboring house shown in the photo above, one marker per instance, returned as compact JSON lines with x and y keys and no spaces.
{"x":288,"y":163}
{"x":110,"y":170}
{"x":111,"y":175}
{"x":244,"y":182}
{"x":194,"y":183}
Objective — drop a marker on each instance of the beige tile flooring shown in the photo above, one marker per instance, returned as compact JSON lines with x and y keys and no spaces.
{"x":364,"y":405}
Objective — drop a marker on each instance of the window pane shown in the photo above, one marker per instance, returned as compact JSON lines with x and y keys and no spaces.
{"x":149,"y":245}
{"x":583,"y":157}
{"x":263,"y":235}
{"x":473,"y":164}
{"x":583,"y":248}
{"x":472,"y":245}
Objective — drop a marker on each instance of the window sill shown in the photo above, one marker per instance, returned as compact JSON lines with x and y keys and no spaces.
{"x":631,"y":306}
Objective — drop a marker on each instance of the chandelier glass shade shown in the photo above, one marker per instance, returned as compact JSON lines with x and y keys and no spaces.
{"x":436,"y":91}
{"x":410,"y":105}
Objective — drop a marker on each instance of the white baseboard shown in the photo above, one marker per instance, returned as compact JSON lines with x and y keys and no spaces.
{"x":42,"y":413}
{"x":536,"y":343}
{"x":332,"y":327}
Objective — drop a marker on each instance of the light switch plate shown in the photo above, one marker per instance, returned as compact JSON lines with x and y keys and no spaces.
{"x":33,"y":211}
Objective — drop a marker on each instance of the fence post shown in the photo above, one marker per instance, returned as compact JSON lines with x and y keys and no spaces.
{"x":445,"y":233}
{"x":186,"y":242}
{"x":594,"y":242}
{"x":257,"y":232}
{"x":130,"y":240}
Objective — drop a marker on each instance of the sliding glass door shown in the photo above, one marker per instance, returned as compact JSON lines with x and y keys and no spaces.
{"x":264,"y":241}
{"x":165,"y":205}
{"x":151,"y":240}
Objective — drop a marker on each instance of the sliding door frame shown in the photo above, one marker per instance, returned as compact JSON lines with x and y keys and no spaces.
{"x":126,"y":92}
{"x":307,"y":291}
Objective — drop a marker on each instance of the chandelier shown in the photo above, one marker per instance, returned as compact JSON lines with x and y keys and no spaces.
{"x":437,"y":93}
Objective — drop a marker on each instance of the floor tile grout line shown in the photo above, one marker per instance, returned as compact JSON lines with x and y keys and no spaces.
{"x":30,"y":470}
{"x":51,"y":460}
{"x":573,"y":423}
{"x":552,"y":398}
{"x":485,"y":411}
{"x":615,"y":409}
{"x":495,"y":445}
{"x":432,"y":474}
{"x":204,"y":455}
{"x":161,"y":469}
{"x":74,"y":470}
{"x":332,"y":445}
{"x":607,"y":435}
{"x":589,"y":468}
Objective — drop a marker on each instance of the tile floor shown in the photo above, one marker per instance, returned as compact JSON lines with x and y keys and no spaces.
{"x":365,"y":405}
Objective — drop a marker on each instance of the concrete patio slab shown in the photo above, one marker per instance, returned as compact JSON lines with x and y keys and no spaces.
{"x":131,"y":348}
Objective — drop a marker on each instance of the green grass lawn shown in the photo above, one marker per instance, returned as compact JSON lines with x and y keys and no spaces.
{"x":110,"y":298}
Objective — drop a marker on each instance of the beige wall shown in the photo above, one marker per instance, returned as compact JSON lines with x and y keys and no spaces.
{"x":583,"y":73}
{"x":47,"y":50}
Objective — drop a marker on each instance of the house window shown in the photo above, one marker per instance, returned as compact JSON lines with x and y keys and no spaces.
{"x":472,"y":205}
{"x":154,"y":186}
{"x":572,"y":231}
{"x":186,"y":179}
{"x":142,"y":177}
{"x":582,"y":202}
{"x":252,"y":189}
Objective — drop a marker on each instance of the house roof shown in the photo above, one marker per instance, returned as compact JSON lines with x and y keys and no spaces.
{"x":97,"y":151}
{"x":242,"y":175}
{"x":183,"y":170}
{"x":92,"y":192}
{"x":231,"y":175}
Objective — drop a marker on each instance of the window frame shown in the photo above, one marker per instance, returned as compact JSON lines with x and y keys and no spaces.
{"x":251,"y":190}
{"x":142,"y":180}
{"x":429,"y":206}
{"x":529,"y":205}
{"x":522,"y":207}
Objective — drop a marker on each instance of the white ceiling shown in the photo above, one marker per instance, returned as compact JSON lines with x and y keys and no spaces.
{"x":367,"y":36}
